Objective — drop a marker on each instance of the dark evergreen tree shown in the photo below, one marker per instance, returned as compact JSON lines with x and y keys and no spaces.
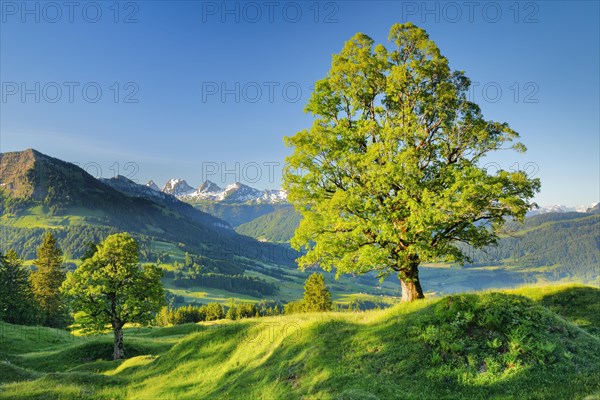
{"x":46,"y":281}
{"x":316,"y":295}
{"x":16,"y":297}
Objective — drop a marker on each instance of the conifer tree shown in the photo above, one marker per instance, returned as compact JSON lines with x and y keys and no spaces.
{"x":316,"y":295}
{"x":16,"y":297}
{"x":46,"y":281}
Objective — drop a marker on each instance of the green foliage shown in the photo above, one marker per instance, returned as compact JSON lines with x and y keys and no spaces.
{"x":46,"y":281}
{"x":190,"y":314}
{"x":111,"y":288}
{"x":294,"y":307}
{"x":243,"y":310}
{"x":17,"y":305}
{"x":316,"y":295}
{"x":363,"y":305}
{"x":493,"y":333}
{"x":181,"y":315}
{"x":91,"y":249}
{"x":215,"y":311}
{"x":389,"y":174}
{"x":576,"y":303}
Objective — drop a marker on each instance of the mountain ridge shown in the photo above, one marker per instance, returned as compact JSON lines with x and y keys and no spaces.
{"x":208,"y":191}
{"x":39,"y":192}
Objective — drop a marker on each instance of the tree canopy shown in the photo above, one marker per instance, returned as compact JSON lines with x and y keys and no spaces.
{"x":111,"y":288}
{"x":390,"y":174}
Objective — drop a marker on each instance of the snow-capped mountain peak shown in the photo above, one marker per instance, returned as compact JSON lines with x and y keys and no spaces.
{"x":561,"y":209}
{"x":177,"y":187}
{"x":234,"y":193}
{"x":239,"y":193}
{"x":585,"y":208}
{"x":209,"y":187}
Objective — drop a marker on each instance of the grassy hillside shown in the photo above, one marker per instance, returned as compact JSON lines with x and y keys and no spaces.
{"x":556,"y":245}
{"x":546,"y":247}
{"x":277,"y":226}
{"x":237,"y":214}
{"x":40,"y":192}
{"x":471,"y":346}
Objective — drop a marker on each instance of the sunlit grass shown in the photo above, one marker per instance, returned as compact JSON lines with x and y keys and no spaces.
{"x":380,"y":354}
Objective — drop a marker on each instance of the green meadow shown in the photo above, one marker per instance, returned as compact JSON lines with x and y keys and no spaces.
{"x":535,"y":342}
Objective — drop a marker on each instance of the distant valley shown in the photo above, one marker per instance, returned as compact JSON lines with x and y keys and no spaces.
{"x":240,"y":234}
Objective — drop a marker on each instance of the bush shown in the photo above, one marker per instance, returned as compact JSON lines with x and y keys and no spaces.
{"x":493,"y":333}
{"x":294,"y":307}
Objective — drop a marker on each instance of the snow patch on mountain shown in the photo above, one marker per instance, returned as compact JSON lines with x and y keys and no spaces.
{"x":209,"y":187}
{"x":177,"y":187}
{"x":561,"y":209}
{"x":234,"y":193}
{"x":131,"y":188}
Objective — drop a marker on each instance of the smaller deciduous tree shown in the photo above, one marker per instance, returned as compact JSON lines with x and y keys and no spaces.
{"x":112,"y":288}
{"x":46,"y":281}
{"x":316,"y":295}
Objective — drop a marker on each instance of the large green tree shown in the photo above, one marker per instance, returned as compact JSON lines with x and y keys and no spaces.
{"x":112,"y":288}
{"x":391,"y":172}
{"x":46,"y":281}
{"x":16,"y":297}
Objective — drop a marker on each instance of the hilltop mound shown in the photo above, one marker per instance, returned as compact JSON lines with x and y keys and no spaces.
{"x":491,"y":345}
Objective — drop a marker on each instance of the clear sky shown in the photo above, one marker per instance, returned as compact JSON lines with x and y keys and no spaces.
{"x":196,"y":90}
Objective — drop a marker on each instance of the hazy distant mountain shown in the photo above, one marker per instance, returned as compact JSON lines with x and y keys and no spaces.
{"x":153,"y":186}
{"x":560,"y":244}
{"x":562,"y":209}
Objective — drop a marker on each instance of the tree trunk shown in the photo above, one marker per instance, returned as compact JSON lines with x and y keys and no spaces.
{"x":119,"y":350}
{"x":409,"y":282}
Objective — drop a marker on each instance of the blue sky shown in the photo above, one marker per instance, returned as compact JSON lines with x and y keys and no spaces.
{"x":202,"y":90}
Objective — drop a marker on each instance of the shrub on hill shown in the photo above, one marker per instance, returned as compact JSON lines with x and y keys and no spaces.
{"x":493,"y":333}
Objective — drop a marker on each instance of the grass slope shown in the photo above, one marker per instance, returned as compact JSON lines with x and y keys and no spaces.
{"x":277,"y":226}
{"x":472,"y":346}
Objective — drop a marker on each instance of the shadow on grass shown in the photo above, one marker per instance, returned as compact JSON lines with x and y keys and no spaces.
{"x":579,"y":305}
{"x":469,"y":346}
